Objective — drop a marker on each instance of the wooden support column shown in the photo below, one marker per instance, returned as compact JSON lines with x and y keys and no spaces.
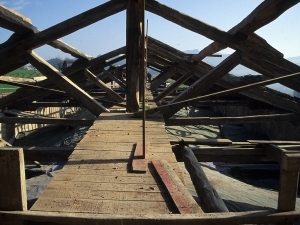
{"x":12,"y":180}
{"x":133,"y":63}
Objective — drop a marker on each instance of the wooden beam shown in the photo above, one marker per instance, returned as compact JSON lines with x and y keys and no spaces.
{"x":29,"y":94}
{"x":66,"y":84}
{"x":228,"y":81}
{"x":175,"y":85}
{"x":250,"y":217}
{"x":276,"y":142}
{"x":12,"y":179}
{"x":64,"y":28}
{"x":197,"y":141}
{"x":272,"y":68}
{"x":232,"y":120}
{"x":263,"y":14}
{"x":219,"y":36}
{"x":37,"y":120}
{"x":192,"y":101}
{"x":178,"y":192}
{"x":207,"y":80}
{"x":210,"y":200}
{"x":161,"y":78}
{"x":103,"y":86}
{"x":133,"y":55}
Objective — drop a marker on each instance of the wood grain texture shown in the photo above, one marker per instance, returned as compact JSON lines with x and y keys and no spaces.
{"x":12,"y":179}
{"x":64,"y":83}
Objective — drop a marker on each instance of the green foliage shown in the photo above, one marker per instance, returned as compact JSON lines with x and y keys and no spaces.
{"x":6,"y":88}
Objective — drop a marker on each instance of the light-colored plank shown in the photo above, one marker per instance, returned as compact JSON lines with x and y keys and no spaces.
{"x":12,"y":179}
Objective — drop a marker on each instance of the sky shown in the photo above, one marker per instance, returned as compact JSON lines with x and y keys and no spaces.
{"x":109,"y":34}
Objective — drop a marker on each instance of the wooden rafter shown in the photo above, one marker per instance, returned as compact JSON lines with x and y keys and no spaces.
{"x":224,"y":38}
{"x":103,"y":86}
{"x":263,"y":14}
{"x":66,"y":84}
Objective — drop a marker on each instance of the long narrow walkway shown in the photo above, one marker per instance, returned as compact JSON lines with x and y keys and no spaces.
{"x":97,"y":177}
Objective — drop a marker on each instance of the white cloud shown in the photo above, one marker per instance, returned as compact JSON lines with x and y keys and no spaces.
{"x":16,"y":5}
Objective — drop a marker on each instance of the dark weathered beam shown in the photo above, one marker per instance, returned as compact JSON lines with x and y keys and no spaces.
{"x":14,"y":21}
{"x":57,"y":121}
{"x":228,"y":81}
{"x":161,"y":78}
{"x":210,"y":200}
{"x":217,"y":35}
{"x":173,"y":87}
{"x":272,"y":68}
{"x":207,"y":80}
{"x":167,"y":108}
{"x":263,"y":14}
{"x":232,"y":120}
{"x":250,"y":217}
{"x":103,"y":86}
{"x":64,"y":28}
{"x":66,"y":84}
{"x":133,"y":55}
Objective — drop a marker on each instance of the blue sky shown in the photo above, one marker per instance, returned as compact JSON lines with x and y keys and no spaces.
{"x":109,"y":34}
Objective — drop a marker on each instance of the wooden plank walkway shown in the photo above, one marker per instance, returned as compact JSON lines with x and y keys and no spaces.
{"x":97,"y":179}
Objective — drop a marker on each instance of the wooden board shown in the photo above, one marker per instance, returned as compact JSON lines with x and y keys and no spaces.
{"x":97,"y":176}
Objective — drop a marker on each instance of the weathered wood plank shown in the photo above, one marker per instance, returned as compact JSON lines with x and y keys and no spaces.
{"x":12,"y":179}
{"x":66,"y":84}
{"x":181,"y":197}
{"x":57,"y":121}
{"x":258,"y":217}
{"x":232,"y":120}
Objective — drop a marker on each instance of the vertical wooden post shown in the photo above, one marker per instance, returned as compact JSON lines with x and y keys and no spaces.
{"x":132,"y":57}
{"x":288,"y":186}
{"x":12,"y":182}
